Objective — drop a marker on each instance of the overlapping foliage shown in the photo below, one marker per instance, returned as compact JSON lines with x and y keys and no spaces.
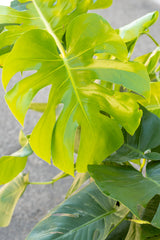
{"x":97,"y":108}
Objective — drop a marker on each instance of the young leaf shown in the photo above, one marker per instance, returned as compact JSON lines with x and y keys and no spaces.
{"x":134,"y":29}
{"x":86,"y":215}
{"x":83,"y":100}
{"x":131,"y":32}
{"x":12,"y":165}
{"x":127,"y":185}
{"x":9,"y":196}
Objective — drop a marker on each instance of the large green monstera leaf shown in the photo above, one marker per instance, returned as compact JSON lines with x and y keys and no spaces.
{"x":40,"y":14}
{"x":100,"y":112}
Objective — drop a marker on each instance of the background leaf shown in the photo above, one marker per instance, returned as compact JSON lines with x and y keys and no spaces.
{"x":150,"y":60}
{"x":136,"y":28}
{"x":134,"y":232}
{"x":154,"y":103}
{"x":127,"y":185}
{"x":9,"y":196}
{"x":100,"y":4}
{"x":132,"y":31}
{"x":11,"y":166}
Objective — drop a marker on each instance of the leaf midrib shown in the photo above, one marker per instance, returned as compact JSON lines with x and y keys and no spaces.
{"x":134,"y":149}
{"x":89,"y":222}
{"x":63,"y":55}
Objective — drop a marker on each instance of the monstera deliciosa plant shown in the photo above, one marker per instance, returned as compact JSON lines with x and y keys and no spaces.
{"x":101,"y":121}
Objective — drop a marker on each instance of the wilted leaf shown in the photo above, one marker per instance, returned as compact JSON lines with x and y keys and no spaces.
{"x":23,"y":139}
{"x":9,"y":196}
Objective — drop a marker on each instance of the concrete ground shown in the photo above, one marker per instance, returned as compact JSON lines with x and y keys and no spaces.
{"x":38,"y":200}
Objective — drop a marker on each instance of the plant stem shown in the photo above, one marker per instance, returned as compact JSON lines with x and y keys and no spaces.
{"x":41,"y":183}
{"x":55,"y":179}
{"x":157,"y":44}
{"x":142,"y":165}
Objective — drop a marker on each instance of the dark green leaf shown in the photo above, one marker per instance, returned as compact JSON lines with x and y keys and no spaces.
{"x":127,"y":185}
{"x":86,"y":215}
{"x":142,"y":142}
{"x":145,"y":231}
{"x":120,"y":232}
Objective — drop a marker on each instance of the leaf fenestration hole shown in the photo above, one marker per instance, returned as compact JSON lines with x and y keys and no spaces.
{"x":77,"y":139}
{"x":104,"y":113}
{"x":118,"y":204}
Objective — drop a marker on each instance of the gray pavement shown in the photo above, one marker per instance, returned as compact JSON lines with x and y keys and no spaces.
{"x":38,"y":200}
